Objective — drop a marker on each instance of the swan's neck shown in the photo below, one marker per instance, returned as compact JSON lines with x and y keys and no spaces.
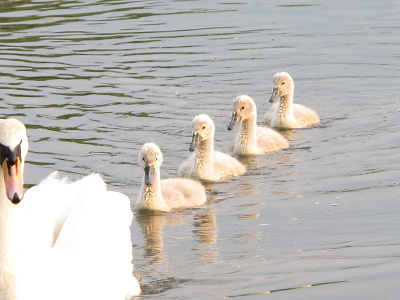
{"x":205,"y":158}
{"x":8,"y":246}
{"x":247,"y":136}
{"x":285,"y":112}
{"x":151,"y":196}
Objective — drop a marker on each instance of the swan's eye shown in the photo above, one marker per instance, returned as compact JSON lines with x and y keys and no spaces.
{"x":143,"y":158}
{"x":242,"y":108}
{"x":204,"y":127}
{"x":282,"y":83}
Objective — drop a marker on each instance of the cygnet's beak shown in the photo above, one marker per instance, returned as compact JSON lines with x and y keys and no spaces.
{"x":234,"y":121}
{"x":148,"y":175}
{"x":196,"y":139}
{"x":13,"y":180}
{"x":275,"y":94}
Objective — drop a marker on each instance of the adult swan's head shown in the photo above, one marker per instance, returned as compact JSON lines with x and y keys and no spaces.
{"x":13,"y":149}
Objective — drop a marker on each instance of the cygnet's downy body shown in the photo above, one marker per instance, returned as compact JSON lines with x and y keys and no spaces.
{"x":284,"y":113}
{"x":253,"y":139}
{"x":206,"y":163}
{"x":167,"y":194}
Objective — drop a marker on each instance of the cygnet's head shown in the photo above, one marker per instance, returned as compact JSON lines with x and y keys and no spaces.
{"x":13,"y":150}
{"x":243,"y":108}
{"x":150,"y":159}
{"x":283,"y":85}
{"x":202,"y":128}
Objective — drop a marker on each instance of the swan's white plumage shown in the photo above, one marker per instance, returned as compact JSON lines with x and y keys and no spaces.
{"x":166,"y":194}
{"x":253,"y":139}
{"x":284,"y":113}
{"x":206,"y":163}
{"x":65,"y":240}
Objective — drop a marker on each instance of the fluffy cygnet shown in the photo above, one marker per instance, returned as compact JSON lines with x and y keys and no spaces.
{"x":166,"y":194}
{"x":253,"y":139}
{"x":285,"y":113}
{"x":206,"y":163}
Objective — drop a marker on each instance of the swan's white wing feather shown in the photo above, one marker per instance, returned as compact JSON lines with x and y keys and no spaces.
{"x":45,"y":208}
{"x":91,"y":258}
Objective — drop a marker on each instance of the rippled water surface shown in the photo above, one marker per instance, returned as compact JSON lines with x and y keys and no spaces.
{"x":94,"y":80}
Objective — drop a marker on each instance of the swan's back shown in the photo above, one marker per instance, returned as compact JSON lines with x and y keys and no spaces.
{"x":305,"y":116}
{"x":226,"y":165}
{"x":92,"y":253}
{"x":182,"y":192}
{"x":57,"y":197}
{"x":269,"y":140}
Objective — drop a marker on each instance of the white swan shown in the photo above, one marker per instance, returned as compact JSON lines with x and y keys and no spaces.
{"x":63,"y":240}
{"x":285,"y":113}
{"x":166,"y":194}
{"x":253,"y":139}
{"x":206,"y":163}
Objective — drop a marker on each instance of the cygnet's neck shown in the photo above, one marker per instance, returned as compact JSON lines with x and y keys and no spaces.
{"x":285,"y":112}
{"x":247,"y":135}
{"x":151,"y":196}
{"x":205,"y":158}
{"x":8,"y":246}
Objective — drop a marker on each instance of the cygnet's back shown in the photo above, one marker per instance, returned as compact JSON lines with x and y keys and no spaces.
{"x":182,"y":192}
{"x":167,"y":194}
{"x":206,"y":163}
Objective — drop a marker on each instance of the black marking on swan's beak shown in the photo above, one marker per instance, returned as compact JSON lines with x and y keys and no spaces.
{"x":196,"y":139}
{"x":16,"y":199}
{"x":11,"y":163}
{"x":11,"y":155}
{"x":148,"y":178}
{"x":275,"y":94}
{"x":234,"y":121}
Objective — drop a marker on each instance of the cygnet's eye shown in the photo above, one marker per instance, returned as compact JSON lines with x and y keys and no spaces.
{"x":204,"y":127}
{"x":242,"y":108}
{"x":282,"y":83}
{"x":143,"y":158}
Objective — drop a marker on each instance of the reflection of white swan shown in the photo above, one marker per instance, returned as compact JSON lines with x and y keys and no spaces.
{"x":63,"y":240}
{"x":253,"y":139}
{"x":166,"y":194}
{"x":284,"y":113}
{"x":206,"y":163}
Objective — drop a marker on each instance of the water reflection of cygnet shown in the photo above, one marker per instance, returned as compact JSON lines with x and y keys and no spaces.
{"x":206,"y":233}
{"x":152,"y":224}
{"x":262,"y":163}
{"x":205,"y":226}
{"x":289,"y":134}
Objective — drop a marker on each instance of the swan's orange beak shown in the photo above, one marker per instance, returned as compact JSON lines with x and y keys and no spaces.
{"x":13,"y":180}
